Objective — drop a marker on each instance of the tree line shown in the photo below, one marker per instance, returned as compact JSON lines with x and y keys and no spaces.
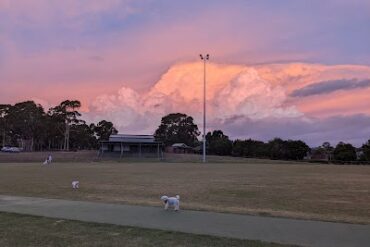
{"x":29,"y":126}
{"x":180,"y":128}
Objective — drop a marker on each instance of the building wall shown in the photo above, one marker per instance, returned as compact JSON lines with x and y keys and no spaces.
{"x":179,"y":150}
{"x":130,"y":148}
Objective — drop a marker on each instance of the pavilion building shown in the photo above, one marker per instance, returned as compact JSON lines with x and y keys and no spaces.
{"x":121,"y":145}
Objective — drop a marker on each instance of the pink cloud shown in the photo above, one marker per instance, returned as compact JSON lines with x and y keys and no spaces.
{"x":338,"y":103}
{"x":233,"y":90}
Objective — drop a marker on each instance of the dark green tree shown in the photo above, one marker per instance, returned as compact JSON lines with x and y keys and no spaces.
{"x":26,"y":125}
{"x":255,"y":149}
{"x":104,"y":129}
{"x":345,"y":152}
{"x":218,"y":143}
{"x":328,"y":150}
{"x":63,"y":116}
{"x":82,"y":137}
{"x":366,"y":150}
{"x":177,"y":128}
{"x":250,"y":148}
{"x":238,"y":148}
{"x":4,"y":128}
{"x":277,"y":149}
{"x":296,"y":150}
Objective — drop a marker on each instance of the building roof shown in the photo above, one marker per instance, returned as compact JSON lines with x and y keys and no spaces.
{"x":132,"y":138}
{"x":198,"y":148}
{"x":180,"y":145}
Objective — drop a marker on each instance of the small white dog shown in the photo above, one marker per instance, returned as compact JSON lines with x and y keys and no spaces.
{"x":75,"y":184}
{"x":171,"y":201}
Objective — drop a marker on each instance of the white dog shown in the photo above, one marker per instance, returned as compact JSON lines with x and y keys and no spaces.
{"x":75,"y":184}
{"x":171,"y":201}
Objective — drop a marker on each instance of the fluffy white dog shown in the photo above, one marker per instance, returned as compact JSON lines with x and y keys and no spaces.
{"x":75,"y":184}
{"x":172,"y":202}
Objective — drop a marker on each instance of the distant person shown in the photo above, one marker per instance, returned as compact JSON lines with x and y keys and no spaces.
{"x":48,"y":160}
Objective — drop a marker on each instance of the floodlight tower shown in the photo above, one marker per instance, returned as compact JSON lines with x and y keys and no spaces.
{"x":205,"y":59}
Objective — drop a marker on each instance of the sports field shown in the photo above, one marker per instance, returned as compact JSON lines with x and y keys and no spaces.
{"x":296,"y":190}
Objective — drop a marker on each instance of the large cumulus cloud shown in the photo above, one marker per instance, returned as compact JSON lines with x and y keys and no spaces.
{"x":234,"y":90}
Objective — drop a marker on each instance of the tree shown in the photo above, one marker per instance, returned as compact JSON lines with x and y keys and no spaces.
{"x":366,"y":150}
{"x":318,"y":153}
{"x":218,"y":143}
{"x":328,"y":150}
{"x":296,"y":150}
{"x":288,"y":150}
{"x":26,"y":123}
{"x":250,"y":148}
{"x":277,"y":149}
{"x":4,"y":111}
{"x":177,"y":128}
{"x":255,"y":149}
{"x":104,"y":129}
{"x":82,"y":137}
{"x":345,"y":152}
{"x":238,"y":148}
{"x":63,"y":116}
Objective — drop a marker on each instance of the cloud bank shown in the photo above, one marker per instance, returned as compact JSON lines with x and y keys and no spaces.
{"x":180,"y":89}
{"x":244,"y":101}
{"x":354,"y":129}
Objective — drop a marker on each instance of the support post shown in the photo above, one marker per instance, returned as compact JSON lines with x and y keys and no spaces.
{"x":204,"y":58}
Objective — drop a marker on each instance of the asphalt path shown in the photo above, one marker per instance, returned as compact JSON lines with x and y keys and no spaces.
{"x":270,"y":229}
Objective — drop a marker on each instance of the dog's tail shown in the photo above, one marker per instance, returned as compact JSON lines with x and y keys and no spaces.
{"x":177,"y":197}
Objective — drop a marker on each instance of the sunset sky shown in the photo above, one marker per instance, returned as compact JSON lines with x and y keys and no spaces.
{"x":297,"y":69}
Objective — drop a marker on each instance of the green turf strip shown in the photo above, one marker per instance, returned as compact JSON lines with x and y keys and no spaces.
{"x":23,"y":230}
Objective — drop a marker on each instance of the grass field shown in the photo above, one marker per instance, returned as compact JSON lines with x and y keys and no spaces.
{"x":92,"y":156}
{"x":323,"y":192}
{"x":30,"y":231}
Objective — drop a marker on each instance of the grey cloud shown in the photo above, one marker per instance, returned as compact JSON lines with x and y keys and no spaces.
{"x":324,"y":87}
{"x":354,"y":129}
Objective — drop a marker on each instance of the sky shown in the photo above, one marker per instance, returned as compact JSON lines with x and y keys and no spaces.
{"x":295,"y":69}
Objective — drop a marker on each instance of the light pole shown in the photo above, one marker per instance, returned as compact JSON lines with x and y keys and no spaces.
{"x":205,"y":59}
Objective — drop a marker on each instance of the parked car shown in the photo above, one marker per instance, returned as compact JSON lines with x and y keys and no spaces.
{"x":5,"y":149}
{"x":11,"y":149}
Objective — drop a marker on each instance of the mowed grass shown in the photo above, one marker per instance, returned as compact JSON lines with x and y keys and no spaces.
{"x":20,"y":230}
{"x":306,"y":191}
